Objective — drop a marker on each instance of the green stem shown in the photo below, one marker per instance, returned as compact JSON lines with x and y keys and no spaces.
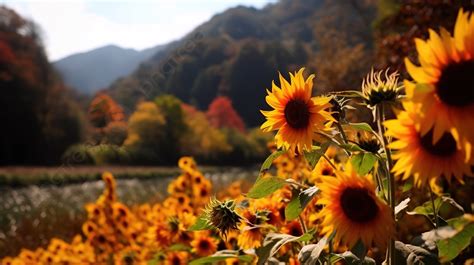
{"x":329,"y":161}
{"x":435,"y":212}
{"x":391,"y":183}
{"x":303,"y":225}
{"x":344,"y":137}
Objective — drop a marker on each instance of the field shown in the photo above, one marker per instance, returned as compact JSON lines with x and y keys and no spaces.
{"x":39,"y":203}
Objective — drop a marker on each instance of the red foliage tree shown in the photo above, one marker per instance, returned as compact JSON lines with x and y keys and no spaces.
{"x":221,"y":114}
{"x":104,"y":110}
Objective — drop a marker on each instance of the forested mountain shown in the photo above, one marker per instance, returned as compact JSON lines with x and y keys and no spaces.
{"x":238,"y":52}
{"x":39,"y":119}
{"x":91,"y":71}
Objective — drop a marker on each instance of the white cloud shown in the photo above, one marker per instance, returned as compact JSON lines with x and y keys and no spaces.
{"x":73,"y":26}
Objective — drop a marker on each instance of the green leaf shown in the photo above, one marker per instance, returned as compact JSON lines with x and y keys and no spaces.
{"x":316,"y":153}
{"x":359,"y":250}
{"x":179,"y":247}
{"x":310,"y":254}
{"x":450,"y":240}
{"x":293,"y":209}
{"x":442,"y":204}
{"x":273,"y":242}
{"x":449,"y":248}
{"x":201,"y":224}
{"x":268,"y":162}
{"x":220,"y":256}
{"x":362,"y":126}
{"x":363,"y":163}
{"x":265,"y":186}
{"x":352,"y":147}
{"x":299,"y":202}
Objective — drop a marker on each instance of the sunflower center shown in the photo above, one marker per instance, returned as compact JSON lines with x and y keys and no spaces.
{"x":455,"y":87}
{"x":446,"y":146}
{"x":297,"y":114}
{"x":204,"y":245}
{"x":358,"y":205}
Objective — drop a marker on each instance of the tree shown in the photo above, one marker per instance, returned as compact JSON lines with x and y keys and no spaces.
{"x":221,"y":114}
{"x":146,"y":131}
{"x":39,"y":119}
{"x":170,"y":107}
{"x":104,"y":110}
{"x":201,"y":139}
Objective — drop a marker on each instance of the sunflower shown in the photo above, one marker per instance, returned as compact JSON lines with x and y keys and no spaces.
{"x":444,"y":83}
{"x":416,"y":154}
{"x":377,"y":89}
{"x":296,"y":115}
{"x":251,"y":232}
{"x":293,"y":228}
{"x":203,"y":244}
{"x":176,"y":258}
{"x":353,"y":211}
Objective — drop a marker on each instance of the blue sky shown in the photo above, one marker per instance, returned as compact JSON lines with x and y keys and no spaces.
{"x":80,"y":25}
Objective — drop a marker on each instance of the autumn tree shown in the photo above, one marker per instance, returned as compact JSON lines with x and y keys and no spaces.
{"x":146,"y":131}
{"x":221,"y":114}
{"x":104,"y":110}
{"x":39,"y":119}
{"x":170,"y":107}
{"x":201,"y":139}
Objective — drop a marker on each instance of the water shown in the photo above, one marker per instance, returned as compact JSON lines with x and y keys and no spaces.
{"x":31,"y":216}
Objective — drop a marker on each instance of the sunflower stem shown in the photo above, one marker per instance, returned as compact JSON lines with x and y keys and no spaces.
{"x":329,"y":161}
{"x":303,"y":225}
{"x":391,"y":183}
{"x":344,"y":137}
{"x":435,"y":212}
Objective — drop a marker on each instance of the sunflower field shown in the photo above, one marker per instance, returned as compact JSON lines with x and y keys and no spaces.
{"x":394,"y":189}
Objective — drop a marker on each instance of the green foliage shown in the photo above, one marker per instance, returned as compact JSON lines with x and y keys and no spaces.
{"x":200,"y":224}
{"x":170,"y":108}
{"x":221,"y":256}
{"x":273,"y":242}
{"x":265,"y":186}
{"x":363,"y":162}
{"x":299,"y":202}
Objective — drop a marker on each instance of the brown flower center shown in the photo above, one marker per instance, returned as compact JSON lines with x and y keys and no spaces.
{"x":455,"y":86}
{"x":446,"y":146}
{"x":297,"y":114}
{"x":204,"y":245}
{"x":358,"y":205}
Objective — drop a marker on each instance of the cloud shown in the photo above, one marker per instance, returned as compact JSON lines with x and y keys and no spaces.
{"x":79,"y":25}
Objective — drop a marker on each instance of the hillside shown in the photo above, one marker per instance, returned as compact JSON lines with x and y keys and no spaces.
{"x":91,"y":71}
{"x":238,"y":52}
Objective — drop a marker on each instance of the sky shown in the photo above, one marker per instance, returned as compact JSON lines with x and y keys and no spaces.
{"x":74,"y":26}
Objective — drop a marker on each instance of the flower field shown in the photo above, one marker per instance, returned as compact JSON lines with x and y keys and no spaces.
{"x":393,"y":189}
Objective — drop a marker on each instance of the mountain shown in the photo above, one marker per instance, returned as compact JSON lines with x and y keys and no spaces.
{"x":238,"y":53}
{"x":96,"y":69}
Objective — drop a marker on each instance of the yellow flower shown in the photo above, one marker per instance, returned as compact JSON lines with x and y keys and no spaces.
{"x":177,"y":258}
{"x":203,"y":244}
{"x":444,"y":83}
{"x":417,"y":156}
{"x":296,"y":115}
{"x":353,"y":211}
{"x":251,"y":235}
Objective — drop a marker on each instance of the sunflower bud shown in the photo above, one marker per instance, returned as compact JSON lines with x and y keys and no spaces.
{"x":222,"y":215}
{"x":377,"y":89}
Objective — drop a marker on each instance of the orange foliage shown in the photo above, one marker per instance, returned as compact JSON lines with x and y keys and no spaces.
{"x":222,"y":114}
{"x":104,"y":110}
